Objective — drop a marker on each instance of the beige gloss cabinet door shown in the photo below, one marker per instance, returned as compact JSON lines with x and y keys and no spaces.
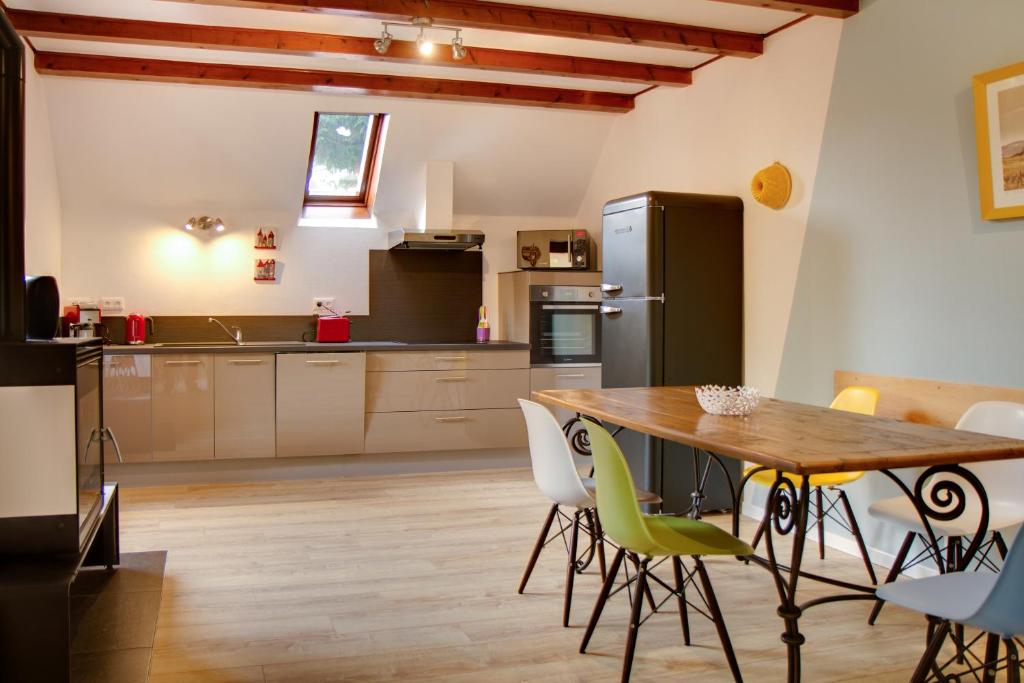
{"x":244,"y":406}
{"x":388,"y":392}
{"x":128,"y":406}
{"x":445,"y":430}
{"x":321,"y":399}
{"x":183,"y":421}
{"x":542,"y":379}
{"x":403,"y":361}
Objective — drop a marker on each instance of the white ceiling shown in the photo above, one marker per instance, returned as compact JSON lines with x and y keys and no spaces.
{"x":695,"y":12}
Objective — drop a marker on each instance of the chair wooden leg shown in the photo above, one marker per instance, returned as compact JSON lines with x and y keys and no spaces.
{"x":930,"y":653}
{"x":716,"y":614}
{"x":570,"y":567}
{"x":634,"y":621}
{"x":601,"y":562}
{"x":991,"y":655}
{"x":677,"y":570}
{"x":953,"y":556}
{"x":538,"y":546}
{"x":602,"y":598}
{"x":855,"y":529}
{"x":1012,"y":662}
{"x":757,"y":535}
{"x":647,"y":588}
{"x":894,"y":571}
{"x":819,"y":499}
{"x":1000,"y":544}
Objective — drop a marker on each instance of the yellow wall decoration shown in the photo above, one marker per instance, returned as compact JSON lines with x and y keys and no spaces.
{"x":772,"y":185}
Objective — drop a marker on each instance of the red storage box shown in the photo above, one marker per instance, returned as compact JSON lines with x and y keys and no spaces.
{"x":332,"y":329}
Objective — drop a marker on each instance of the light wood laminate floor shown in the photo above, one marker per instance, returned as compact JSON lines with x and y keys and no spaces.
{"x":413,"y":578}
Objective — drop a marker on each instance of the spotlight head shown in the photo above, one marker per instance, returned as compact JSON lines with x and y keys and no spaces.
{"x":458,"y":49}
{"x":382,"y":44}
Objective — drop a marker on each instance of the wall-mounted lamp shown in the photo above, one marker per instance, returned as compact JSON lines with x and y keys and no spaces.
{"x":204,"y":224}
{"x":423,"y":43}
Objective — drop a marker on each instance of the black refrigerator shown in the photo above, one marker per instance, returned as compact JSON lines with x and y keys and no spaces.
{"x":672,"y":314}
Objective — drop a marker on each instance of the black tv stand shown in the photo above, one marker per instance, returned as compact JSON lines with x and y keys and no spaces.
{"x":35,"y":612}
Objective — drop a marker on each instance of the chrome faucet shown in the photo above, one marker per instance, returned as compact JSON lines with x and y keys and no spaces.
{"x":236,"y":335}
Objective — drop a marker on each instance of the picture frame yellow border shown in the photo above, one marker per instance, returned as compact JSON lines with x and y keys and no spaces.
{"x":980,"y":84}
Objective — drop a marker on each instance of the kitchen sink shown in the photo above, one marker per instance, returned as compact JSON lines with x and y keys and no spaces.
{"x":182,"y":345}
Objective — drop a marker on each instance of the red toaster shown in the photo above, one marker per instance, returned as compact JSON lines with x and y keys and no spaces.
{"x":332,"y":329}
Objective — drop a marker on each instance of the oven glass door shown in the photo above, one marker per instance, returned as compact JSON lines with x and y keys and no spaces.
{"x":562,"y":334}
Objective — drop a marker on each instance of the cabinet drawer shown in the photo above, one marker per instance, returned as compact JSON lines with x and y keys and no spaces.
{"x":244,"y":406}
{"x":445,"y":390}
{"x":183,"y":407}
{"x":128,"y":405}
{"x":542,"y":379}
{"x":444,"y":430}
{"x":321,"y":399}
{"x":397,"y":361}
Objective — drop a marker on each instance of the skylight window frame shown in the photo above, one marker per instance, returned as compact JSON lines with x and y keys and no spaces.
{"x":358,"y":205}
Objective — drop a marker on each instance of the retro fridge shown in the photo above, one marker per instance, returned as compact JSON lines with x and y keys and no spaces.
{"x":672,"y":314}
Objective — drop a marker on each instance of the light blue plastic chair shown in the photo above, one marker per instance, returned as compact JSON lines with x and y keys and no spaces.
{"x":993,"y":603}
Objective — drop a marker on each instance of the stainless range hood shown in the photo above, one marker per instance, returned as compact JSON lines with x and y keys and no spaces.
{"x":435,"y":240}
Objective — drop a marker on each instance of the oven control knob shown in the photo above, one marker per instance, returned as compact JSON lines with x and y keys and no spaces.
{"x":544,"y":294}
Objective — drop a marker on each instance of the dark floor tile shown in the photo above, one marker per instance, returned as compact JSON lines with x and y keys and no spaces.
{"x":114,"y":620}
{"x":137,"y":572}
{"x":117,"y":666}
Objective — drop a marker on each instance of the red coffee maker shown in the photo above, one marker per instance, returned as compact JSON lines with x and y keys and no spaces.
{"x":135,"y":328}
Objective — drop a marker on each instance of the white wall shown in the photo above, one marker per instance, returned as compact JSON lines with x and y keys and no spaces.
{"x":739,"y":116}
{"x":137,"y":159}
{"x":42,"y":196}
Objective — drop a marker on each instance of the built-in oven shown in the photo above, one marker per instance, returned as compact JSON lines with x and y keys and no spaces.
{"x":565,"y":325}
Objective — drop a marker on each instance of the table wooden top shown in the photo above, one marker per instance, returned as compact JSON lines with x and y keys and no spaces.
{"x":784,"y":435}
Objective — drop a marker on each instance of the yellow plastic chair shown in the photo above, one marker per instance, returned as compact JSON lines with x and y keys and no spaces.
{"x":650,"y":537}
{"x":861,"y":400}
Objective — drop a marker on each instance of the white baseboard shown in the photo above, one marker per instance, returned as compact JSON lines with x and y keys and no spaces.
{"x":845,"y":544}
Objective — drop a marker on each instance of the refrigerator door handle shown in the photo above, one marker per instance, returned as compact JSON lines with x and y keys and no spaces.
{"x":608,"y":310}
{"x":609,"y":287}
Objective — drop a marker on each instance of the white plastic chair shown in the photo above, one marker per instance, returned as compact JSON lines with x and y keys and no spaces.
{"x":1003,"y":481}
{"x":993,"y":603}
{"x":556,"y":476}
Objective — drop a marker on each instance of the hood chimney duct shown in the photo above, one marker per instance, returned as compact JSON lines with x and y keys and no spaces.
{"x":12,"y":183}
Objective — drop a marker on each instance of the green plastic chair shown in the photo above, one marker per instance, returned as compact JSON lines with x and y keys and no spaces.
{"x":652,"y":536}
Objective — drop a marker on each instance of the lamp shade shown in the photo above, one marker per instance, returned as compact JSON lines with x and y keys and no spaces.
{"x":772,"y":186}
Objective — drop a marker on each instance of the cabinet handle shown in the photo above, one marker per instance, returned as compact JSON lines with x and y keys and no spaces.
{"x":247,"y":361}
{"x":449,"y":379}
{"x":449,"y":358}
{"x":183,"y":362}
{"x":457,"y":418}
{"x":575,"y":375}
{"x":321,"y":362}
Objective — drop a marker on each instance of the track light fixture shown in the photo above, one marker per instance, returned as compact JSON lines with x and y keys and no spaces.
{"x":424,"y":45}
{"x":204,"y":224}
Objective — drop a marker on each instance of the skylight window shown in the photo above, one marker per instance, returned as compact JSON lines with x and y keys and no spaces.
{"x":344,"y":163}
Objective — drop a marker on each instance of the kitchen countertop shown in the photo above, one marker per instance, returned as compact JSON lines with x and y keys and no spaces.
{"x":311,"y":347}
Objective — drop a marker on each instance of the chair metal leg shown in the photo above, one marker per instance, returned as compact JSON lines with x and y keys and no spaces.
{"x":819,"y":500}
{"x":538,"y":546}
{"x":716,"y":614}
{"x":677,"y":570}
{"x":991,"y":655}
{"x":930,"y":653}
{"x":634,"y":621}
{"x":570,"y":567}
{"x":855,"y":530}
{"x":1012,"y":662}
{"x":894,"y":571}
{"x":602,"y":598}
{"x":601,"y":562}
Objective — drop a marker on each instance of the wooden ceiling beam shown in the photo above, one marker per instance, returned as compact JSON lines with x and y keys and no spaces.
{"x":545,"y":21}
{"x":131,"y":68}
{"x":839,"y":9}
{"x":80,"y":27}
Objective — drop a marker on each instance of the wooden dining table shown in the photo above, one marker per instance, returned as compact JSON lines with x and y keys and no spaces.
{"x":803,"y":440}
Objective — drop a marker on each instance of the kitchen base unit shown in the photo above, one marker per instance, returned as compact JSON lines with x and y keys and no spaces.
{"x":321,"y":400}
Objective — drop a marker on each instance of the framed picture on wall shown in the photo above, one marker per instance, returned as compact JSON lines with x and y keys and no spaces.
{"x":999,"y":122}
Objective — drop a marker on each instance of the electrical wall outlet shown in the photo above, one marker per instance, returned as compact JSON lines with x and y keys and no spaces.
{"x":82,"y":301}
{"x":112,"y":304}
{"x":321,"y":304}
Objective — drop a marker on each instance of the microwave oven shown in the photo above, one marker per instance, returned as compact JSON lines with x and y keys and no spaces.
{"x":553,"y":249}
